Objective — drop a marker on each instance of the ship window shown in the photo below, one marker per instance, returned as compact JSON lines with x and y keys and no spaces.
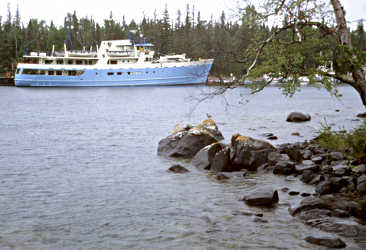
{"x":42,"y":72}
{"x":60,"y":61}
{"x":129,"y":73}
{"x":154,"y":72}
{"x":48,"y":62}
{"x":59,"y":72}
{"x":119,"y":73}
{"x":79,"y":62}
{"x":110,"y":73}
{"x":72,"y":73}
{"x":18,"y":70}
{"x":70,"y":62}
{"x":147,"y":72}
{"x":112,"y":62}
{"x":30,"y":71}
{"x":79,"y":72}
{"x":51,"y":73}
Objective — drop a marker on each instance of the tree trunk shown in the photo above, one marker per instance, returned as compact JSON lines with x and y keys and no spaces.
{"x":344,"y":38}
{"x":342,"y":29}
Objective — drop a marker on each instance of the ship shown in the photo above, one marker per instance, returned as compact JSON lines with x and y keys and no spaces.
{"x":113,"y":63}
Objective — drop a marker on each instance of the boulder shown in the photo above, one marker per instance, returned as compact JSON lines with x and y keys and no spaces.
{"x":361,"y":184}
{"x":325,"y":241}
{"x":262,"y":198}
{"x":205,"y":156}
{"x":221,"y":161}
{"x":341,"y":170}
{"x":178,"y":169}
{"x":249,"y":153}
{"x":294,"y":151}
{"x":185,"y":142}
{"x":307,"y":176}
{"x":284,"y":168}
{"x":298,"y":117}
{"x":306,"y":165}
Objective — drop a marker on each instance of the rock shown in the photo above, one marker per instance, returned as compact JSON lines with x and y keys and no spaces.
{"x":204,"y":157}
{"x":362,"y":115}
{"x":285,"y":189}
{"x":305,"y":195}
{"x":262,"y":198}
{"x":293,"y":193}
{"x":332,"y":185}
{"x":178,"y":169}
{"x":307,"y":154}
{"x":298,"y":117}
{"x":317,"y":179}
{"x":295,"y":134}
{"x":336,"y":156}
{"x":272,"y":137}
{"x":361,"y":184}
{"x":317,"y":159}
{"x":293,"y":151}
{"x":260,"y":220}
{"x":360,"y":169}
{"x":306,"y":165}
{"x":274,"y":157}
{"x":307,"y":176}
{"x":310,"y":203}
{"x":221,"y":177}
{"x":249,"y":153}
{"x":186,"y":143}
{"x":336,"y":225}
{"x":325,"y":241}
{"x":221,"y":161}
{"x":341,"y":170}
{"x":284,"y":168}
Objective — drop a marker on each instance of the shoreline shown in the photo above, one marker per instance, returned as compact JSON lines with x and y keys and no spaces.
{"x":337,"y":204}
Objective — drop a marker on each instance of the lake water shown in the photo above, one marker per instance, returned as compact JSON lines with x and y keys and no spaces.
{"x":79,"y":169}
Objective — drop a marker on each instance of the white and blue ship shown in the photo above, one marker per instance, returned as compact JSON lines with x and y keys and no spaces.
{"x":115,"y":63}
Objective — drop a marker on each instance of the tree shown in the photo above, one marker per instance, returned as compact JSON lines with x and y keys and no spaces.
{"x":310,"y":38}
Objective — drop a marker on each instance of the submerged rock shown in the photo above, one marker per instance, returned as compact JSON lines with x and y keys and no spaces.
{"x":178,"y":169}
{"x":298,"y":117}
{"x":262,"y":198}
{"x":325,"y":241}
{"x":185,"y":142}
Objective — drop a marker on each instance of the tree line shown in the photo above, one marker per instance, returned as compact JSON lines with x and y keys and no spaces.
{"x":222,"y":39}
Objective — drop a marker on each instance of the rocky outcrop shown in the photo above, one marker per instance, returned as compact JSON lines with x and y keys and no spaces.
{"x":298,"y":117}
{"x":326,"y":242}
{"x":249,"y":153}
{"x":262,"y":198}
{"x":186,"y":141}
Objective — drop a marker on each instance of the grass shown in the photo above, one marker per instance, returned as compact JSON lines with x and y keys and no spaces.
{"x":351,"y":143}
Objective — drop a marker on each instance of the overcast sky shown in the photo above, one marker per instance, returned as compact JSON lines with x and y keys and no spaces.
{"x":56,"y":10}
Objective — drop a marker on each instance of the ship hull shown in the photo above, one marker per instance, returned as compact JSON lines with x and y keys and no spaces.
{"x":196,"y":73}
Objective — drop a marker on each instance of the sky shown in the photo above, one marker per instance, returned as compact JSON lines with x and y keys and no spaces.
{"x":56,"y":10}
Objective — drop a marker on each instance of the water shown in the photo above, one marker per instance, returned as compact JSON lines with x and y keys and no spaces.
{"x":79,"y":170}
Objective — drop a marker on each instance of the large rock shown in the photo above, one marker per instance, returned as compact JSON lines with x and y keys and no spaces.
{"x":298,"y":117}
{"x":325,"y":241}
{"x":205,"y":156}
{"x":186,"y":141}
{"x":284,"y":168}
{"x":262,"y":198}
{"x":294,"y":151}
{"x":249,"y":153}
{"x":221,"y":161}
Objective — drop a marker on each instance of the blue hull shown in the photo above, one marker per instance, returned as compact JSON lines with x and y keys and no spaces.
{"x":195,"y":74}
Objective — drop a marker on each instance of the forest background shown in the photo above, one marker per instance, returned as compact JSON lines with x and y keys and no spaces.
{"x":222,"y":39}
